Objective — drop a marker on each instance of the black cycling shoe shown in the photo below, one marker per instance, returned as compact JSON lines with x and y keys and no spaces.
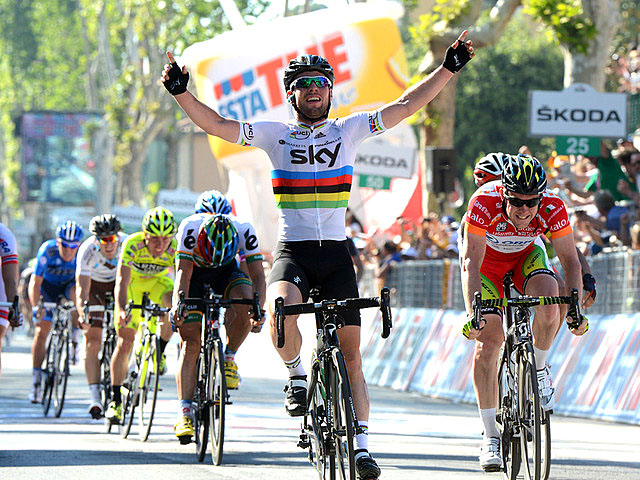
{"x":295,"y":402}
{"x":366,"y":467}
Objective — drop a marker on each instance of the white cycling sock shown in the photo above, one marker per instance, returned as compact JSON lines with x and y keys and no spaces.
{"x":541,"y":357}
{"x":488,"y":416}
{"x":36,"y":375}
{"x":295,"y":367}
{"x":362,"y":439}
{"x":186,"y":409}
{"x":94,"y":388}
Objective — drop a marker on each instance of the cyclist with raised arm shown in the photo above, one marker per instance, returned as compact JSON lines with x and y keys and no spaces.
{"x":143,"y":266}
{"x":53,"y":278}
{"x":312,"y":192}
{"x":9,"y":279}
{"x":501,"y":225}
{"x":207,"y":249}
{"x":96,"y":277}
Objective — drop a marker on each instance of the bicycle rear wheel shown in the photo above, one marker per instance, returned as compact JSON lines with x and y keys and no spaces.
{"x":48,"y":373}
{"x":506,"y":417}
{"x":530,"y":414}
{"x":201,"y":407}
{"x":148,"y":386}
{"x":343,"y":463}
{"x":61,"y":374}
{"x":316,"y":417}
{"x":217,"y":399}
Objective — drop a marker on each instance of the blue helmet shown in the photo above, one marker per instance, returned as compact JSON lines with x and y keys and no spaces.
{"x":69,"y":231}
{"x":212,"y":201}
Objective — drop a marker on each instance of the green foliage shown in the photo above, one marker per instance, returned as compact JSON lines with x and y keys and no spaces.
{"x":492,"y":95}
{"x":565,"y":20}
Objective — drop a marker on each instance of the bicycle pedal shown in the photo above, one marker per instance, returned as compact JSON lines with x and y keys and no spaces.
{"x":304,"y":442}
{"x":185,"y":439}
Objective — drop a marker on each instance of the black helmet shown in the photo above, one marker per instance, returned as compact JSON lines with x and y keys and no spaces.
{"x":523,"y":174}
{"x":307,"y":63}
{"x":104,"y":225}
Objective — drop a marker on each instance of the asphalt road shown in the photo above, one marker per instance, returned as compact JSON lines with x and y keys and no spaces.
{"x":411,"y":436}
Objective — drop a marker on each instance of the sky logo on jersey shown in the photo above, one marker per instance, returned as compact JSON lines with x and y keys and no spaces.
{"x":258,"y":90}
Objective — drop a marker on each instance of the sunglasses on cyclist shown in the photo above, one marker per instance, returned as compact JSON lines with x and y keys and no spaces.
{"x":305,"y":82}
{"x":69,"y":244}
{"x":108,"y":239}
{"x":518,"y":202}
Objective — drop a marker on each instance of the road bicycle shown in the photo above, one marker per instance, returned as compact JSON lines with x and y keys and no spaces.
{"x":56,"y":371}
{"x":140,"y":388}
{"x":211,"y":395}
{"x":525,"y":427}
{"x":109,"y":342}
{"x":330,"y":424}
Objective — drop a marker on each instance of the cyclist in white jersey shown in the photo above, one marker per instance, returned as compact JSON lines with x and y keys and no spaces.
{"x":96,"y":268}
{"x":9,"y":278}
{"x":313,"y":159}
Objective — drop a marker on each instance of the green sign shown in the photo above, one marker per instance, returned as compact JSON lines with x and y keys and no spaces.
{"x":375,"y":181}
{"x":588,"y":146}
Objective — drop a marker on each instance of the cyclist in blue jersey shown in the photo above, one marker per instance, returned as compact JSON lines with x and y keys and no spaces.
{"x":53,"y":277}
{"x":313,"y":159}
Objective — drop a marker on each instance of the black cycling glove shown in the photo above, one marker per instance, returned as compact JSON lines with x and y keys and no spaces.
{"x":589,"y":284}
{"x":456,"y":58}
{"x":178,"y":81}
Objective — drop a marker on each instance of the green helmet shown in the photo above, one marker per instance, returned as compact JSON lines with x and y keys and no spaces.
{"x":159,"y":222}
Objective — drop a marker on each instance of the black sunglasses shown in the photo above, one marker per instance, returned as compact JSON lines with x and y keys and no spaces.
{"x":518,"y":202}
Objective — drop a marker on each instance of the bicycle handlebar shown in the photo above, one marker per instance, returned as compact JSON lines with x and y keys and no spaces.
{"x":146,"y":306}
{"x":219,"y":301}
{"x":14,"y":314}
{"x":327,"y":306}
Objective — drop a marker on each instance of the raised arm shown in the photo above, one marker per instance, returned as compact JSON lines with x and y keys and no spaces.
{"x":175,"y":81}
{"x":419,"y":95}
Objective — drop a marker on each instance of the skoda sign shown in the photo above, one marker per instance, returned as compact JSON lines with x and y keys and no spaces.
{"x":577,"y":110}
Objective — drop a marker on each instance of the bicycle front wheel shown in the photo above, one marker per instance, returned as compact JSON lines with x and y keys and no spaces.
{"x":130,"y":392}
{"x":530,"y":414}
{"x":506,"y":416}
{"x":316,"y":417}
{"x":61,"y":374}
{"x":148,"y":386}
{"x":105,"y":378}
{"x":217,"y":398}
{"x":201,"y":407}
{"x":343,"y":463}
{"x":48,"y":373}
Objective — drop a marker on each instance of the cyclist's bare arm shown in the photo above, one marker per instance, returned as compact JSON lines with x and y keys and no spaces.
{"x":123,"y":277}
{"x":205,"y":117}
{"x":566,"y":250}
{"x":473,"y":249}
{"x":83,"y":286}
{"x":184,"y":270}
{"x":34,"y":289}
{"x":419,"y":95}
{"x":11,"y":279}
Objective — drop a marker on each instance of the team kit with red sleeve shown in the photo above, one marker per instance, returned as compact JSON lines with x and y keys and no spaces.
{"x":509,"y":248}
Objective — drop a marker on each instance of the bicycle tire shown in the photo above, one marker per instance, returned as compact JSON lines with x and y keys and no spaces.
{"x":105,"y":378}
{"x":530,"y":414}
{"x":201,"y":407}
{"x":316,"y":415}
{"x":217,"y":398}
{"x":343,"y":431}
{"x":545,"y":439}
{"x":148,"y":386}
{"x":129,"y":401}
{"x":61,"y":375}
{"x":506,"y":419}
{"x":47,"y":381}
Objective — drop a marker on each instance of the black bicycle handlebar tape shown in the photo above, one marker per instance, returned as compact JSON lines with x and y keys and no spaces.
{"x":575,"y":306}
{"x":385,"y":308}
{"x":279,"y":311}
{"x":181,"y":305}
{"x":257,"y":316}
{"x":85,"y":309}
{"x":477,"y":310}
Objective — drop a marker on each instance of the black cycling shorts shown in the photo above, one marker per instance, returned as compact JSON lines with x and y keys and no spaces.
{"x":310,"y":264}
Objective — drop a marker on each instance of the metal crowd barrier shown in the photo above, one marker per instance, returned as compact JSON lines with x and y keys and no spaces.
{"x":436,"y":283}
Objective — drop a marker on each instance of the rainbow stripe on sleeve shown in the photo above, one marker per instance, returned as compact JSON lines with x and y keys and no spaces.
{"x":298,"y":190}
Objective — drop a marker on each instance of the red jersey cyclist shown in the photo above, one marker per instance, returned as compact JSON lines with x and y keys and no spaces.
{"x":501,"y":225}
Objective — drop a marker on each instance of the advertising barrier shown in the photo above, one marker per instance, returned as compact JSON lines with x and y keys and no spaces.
{"x":596,"y":376}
